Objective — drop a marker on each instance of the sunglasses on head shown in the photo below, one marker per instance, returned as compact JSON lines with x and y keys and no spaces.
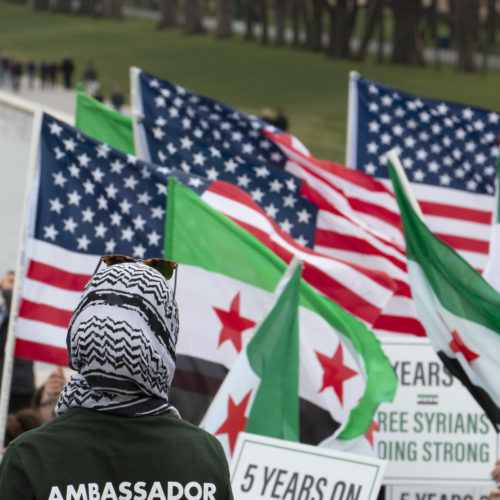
{"x":165,"y":267}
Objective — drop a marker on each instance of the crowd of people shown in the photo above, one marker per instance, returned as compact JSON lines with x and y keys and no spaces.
{"x":48,"y":74}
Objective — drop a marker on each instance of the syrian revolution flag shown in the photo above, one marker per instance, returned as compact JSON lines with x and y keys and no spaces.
{"x":260,"y":392}
{"x":458,"y":308}
{"x":492,"y":270}
{"x":226,"y":280}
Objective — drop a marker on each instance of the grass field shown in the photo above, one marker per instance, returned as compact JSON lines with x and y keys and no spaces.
{"x":311,"y":88}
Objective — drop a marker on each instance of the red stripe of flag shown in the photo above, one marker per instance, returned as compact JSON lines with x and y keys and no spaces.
{"x":399,"y":324}
{"x":463,"y":243}
{"x":454,"y":212}
{"x":362,"y":206}
{"x":336,"y":291}
{"x":41,"y":352}
{"x":44,"y":313}
{"x":54,"y":276}
{"x":337,"y":241}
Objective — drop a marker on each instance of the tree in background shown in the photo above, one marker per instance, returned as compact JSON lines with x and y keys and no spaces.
{"x":63,"y":6}
{"x":193,"y":17}
{"x":112,"y":8}
{"x":224,"y":13}
{"x":297,"y":8}
{"x":169,"y":14}
{"x":407,"y":40}
{"x":373,"y":19}
{"x":264,"y":20}
{"x":342,"y":15}
{"x":280,"y":16}
{"x":314,"y":24}
{"x":249,"y":14}
{"x":464,"y":15}
{"x":40,"y":4}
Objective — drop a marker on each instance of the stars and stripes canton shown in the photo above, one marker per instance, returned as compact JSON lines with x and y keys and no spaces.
{"x":439,"y":143}
{"x":275,"y":191}
{"x":89,"y":200}
{"x":167,"y":104}
{"x":94,"y":199}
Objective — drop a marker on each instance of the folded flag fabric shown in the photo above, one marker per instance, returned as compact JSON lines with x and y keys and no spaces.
{"x":260,"y":394}
{"x":354,"y":219}
{"x":103,"y":123}
{"x":89,"y":199}
{"x":448,"y":150}
{"x":492,"y":271}
{"x":364,"y":291}
{"x":228,"y":279}
{"x":458,"y":308}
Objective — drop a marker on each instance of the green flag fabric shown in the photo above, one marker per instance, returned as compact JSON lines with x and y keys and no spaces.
{"x":458,"y":308}
{"x":343,"y":373}
{"x":103,"y":123}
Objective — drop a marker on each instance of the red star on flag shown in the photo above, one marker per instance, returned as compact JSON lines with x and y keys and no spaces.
{"x":369,"y":433}
{"x":458,"y":345}
{"x":235,"y":421}
{"x":335,"y":373}
{"x":233,"y":324}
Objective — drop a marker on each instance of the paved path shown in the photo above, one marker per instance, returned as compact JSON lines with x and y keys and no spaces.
{"x":56,"y":98}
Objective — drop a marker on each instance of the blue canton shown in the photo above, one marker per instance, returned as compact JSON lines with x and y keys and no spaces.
{"x":165,"y":103}
{"x":97,"y":200}
{"x":439,"y":143}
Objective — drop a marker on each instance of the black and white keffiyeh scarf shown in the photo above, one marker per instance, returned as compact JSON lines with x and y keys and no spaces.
{"x":121,"y":341}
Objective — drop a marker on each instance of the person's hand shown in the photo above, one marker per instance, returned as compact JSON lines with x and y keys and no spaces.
{"x":54,"y":385}
{"x":495,"y":474}
{"x":494,"y":495}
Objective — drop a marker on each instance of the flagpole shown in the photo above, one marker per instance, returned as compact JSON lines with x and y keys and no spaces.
{"x":392,"y":156}
{"x":352,"y":120}
{"x":8,"y":360}
{"x":141,"y":151}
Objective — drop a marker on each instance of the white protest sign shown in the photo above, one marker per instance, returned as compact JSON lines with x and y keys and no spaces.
{"x":263,"y":468}
{"x":433,"y":432}
{"x":438,"y":492}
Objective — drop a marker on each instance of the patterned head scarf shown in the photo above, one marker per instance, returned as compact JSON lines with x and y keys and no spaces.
{"x":121,"y":341}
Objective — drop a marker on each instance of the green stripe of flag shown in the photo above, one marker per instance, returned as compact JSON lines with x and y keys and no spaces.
{"x":458,"y":287}
{"x":273,"y":353}
{"x":104,"y":124}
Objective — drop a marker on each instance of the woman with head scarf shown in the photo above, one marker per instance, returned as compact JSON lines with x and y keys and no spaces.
{"x":116,"y":435}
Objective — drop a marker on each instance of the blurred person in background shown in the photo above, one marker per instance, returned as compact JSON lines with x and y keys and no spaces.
{"x":52,"y":73}
{"x":19,"y":422}
{"x":43,"y":74}
{"x":23,"y":378}
{"x":67,"y":69}
{"x":30,"y":72}
{"x":46,"y":396}
{"x":16,"y":73}
{"x":117,"y":98}
{"x":4,"y":68}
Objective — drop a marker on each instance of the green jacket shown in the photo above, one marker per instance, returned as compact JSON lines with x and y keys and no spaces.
{"x":87,"y":455}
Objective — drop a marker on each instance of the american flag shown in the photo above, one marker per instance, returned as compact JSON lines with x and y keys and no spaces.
{"x":448,"y":150}
{"x":357,"y":216}
{"x":88,"y":199}
{"x":165,"y":103}
{"x":276,"y":191}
